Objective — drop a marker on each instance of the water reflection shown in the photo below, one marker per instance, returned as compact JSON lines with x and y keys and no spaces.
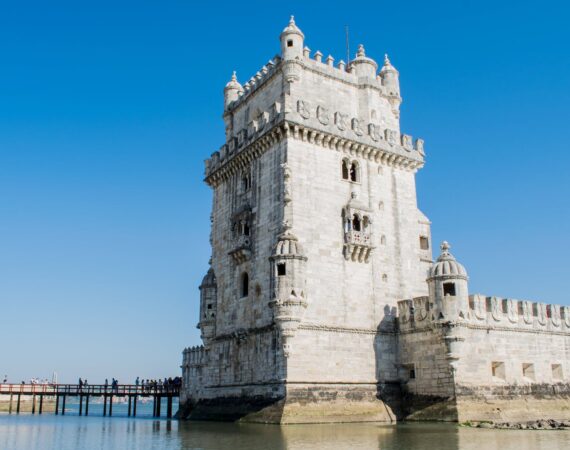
{"x":27,"y":432}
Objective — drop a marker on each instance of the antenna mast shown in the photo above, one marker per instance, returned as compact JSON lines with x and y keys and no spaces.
{"x":347,"y":47}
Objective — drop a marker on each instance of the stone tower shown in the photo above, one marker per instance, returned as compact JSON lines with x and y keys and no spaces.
{"x":315,"y":236}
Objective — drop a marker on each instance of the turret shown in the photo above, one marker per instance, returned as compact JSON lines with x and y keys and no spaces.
{"x":288,"y":286}
{"x":208,"y":306}
{"x":390,"y":79}
{"x":292,"y":41}
{"x":362,"y":65}
{"x":232,"y":91}
{"x":448,"y":290}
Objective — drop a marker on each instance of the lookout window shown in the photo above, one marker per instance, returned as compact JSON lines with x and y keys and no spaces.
{"x":354,"y":172}
{"x":498,"y":370}
{"x":424,"y":243}
{"x":449,"y":289}
{"x":356,"y":223}
{"x":281,"y":269}
{"x":246,"y":182}
{"x":290,"y":43}
{"x":344,"y":169}
{"x":528,"y":370}
{"x":244,"y":285}
{"x":557,"y":372}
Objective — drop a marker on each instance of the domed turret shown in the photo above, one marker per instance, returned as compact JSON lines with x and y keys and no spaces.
{"x":448,"y":290}
{"x":362,"y":65}
{"x":390,"y":78}
{"x":292,"y":41}
{"x":208,"y":306}
{"x":232,"y":91}
{"x":288,"y":286}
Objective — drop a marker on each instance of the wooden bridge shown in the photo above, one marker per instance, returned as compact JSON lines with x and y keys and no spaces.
{"x":61,"y":391}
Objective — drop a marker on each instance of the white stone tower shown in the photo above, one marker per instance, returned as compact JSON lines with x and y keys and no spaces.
{"x":316,"y":234}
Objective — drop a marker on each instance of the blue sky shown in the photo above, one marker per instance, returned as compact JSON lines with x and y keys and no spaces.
{"x":108,"y":109}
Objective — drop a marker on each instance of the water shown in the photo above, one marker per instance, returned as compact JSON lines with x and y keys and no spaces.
{"x":71,"y":432}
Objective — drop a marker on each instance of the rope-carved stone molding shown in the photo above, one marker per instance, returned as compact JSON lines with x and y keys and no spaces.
{"x":289,"y":129}
{"x":336,"y":329}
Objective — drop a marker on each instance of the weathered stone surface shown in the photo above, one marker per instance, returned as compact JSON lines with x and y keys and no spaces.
{"x":316,"y":238}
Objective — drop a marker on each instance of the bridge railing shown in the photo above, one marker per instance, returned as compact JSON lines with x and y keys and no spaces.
{"x":91,"y":389}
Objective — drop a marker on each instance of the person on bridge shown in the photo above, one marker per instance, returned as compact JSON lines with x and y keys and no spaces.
{"x":80,"y":384}
{"x":137,"y":381}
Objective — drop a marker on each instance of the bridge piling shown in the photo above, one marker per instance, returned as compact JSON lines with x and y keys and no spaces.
{"x":56,"y":404}
{"x":104,"y":405}
{"x":10,"y":409}
{"x":111,"y":405}
{"x":18,"y":404}
{"x":80,"y":404}
{"x":87,"y":405}
{"x":41,"y":403}
{"x":158,"y":403}
{"x":129,"y":407}
{"x":169,"y":407}
{"x":33,"y":404}
{"x":63,"y":406}
{"x":135,"y":406}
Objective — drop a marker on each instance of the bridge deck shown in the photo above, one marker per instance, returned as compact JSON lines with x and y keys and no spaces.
{"x":62,"y":391}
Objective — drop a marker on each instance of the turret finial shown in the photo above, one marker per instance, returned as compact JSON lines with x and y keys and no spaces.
{"x":292,"y":20}
{"x":386,"y":59}
{"x":234,"y":76}
{"x":445,"y":247}
{"x":361,"y":51}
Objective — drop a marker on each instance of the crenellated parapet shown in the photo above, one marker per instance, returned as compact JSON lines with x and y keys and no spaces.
{"x":193,"y":357}
{"x":489,"y":313}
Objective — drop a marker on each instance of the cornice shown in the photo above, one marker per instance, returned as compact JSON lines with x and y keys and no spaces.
{"x":285,"y":129}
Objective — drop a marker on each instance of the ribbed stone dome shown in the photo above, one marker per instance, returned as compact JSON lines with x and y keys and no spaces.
{"x":288,"y":244}
{"x":446,"y":265}
{"x":209,"y":279}
{"x":292,"y":28}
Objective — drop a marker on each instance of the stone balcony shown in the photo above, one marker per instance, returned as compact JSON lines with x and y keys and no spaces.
{"x":242,"y":249}
{"x":357,"y":246}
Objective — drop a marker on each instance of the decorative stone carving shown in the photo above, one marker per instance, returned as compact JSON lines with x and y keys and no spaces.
{"x":407,"y":142}
{"x":303,"y":109}
{"x":512,"y":310}
{"x":405,"y":311}
{"x":356,"y":127}
{"x":496,"y":311}
{"x":479,"y":307}
{"x":421,"y":308}
{"x":323,"y":115}
{"x":566,"y":314}
{"x":541,"y":313}
{"x":554,"y":314}
{"x":392,"y":137}
{"x":527,"y":311}
{"x":374,"y":132}
{"x":341,"y":121}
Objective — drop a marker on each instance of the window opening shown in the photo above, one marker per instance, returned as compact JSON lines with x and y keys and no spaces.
{"x":290,"y":43}
{"x":244,"y":285}
{"x":557,"y":372}
{"x":528,"y":370}
{"x":424,"y":243}
{"x":498,"y":369}
{"x":448,"y":289}
{"x":354,"y":172}
{"x":344,"y":170}
{"x":356,"y":223}
{"x":281,"y":269}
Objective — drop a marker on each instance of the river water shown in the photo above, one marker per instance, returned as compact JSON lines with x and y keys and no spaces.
{"x":72,"y":432}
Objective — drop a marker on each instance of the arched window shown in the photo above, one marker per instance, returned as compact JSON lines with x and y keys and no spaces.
{"x":246,"y":181}
{"x":365,"y":223}
{"x":344,"y":169}
{"x":354,"y":171}
{"x":356,"y":223}
{"x":244,"y":284}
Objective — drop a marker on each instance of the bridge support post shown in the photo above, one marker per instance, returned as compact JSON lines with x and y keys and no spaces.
{"x":33,"y":403}
{"x":56,"y":404}
{"x":110,"y":405}
{"x":135,"y":406}
{"x":159,"y":401}
{"x":87,"y":405}
{"x":63,"y":405}
{"x":18,"y":404}
{"x":10,"y":409}
{"x":129,"y":408}
{"x":104,"y":405}
{"x":80,"y":404}
{"x":169,"y":407}
{"x":41,"y":403}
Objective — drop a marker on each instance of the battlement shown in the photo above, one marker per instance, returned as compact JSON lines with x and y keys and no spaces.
{"x":488,"y":312}
{"x":194,"y":356}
